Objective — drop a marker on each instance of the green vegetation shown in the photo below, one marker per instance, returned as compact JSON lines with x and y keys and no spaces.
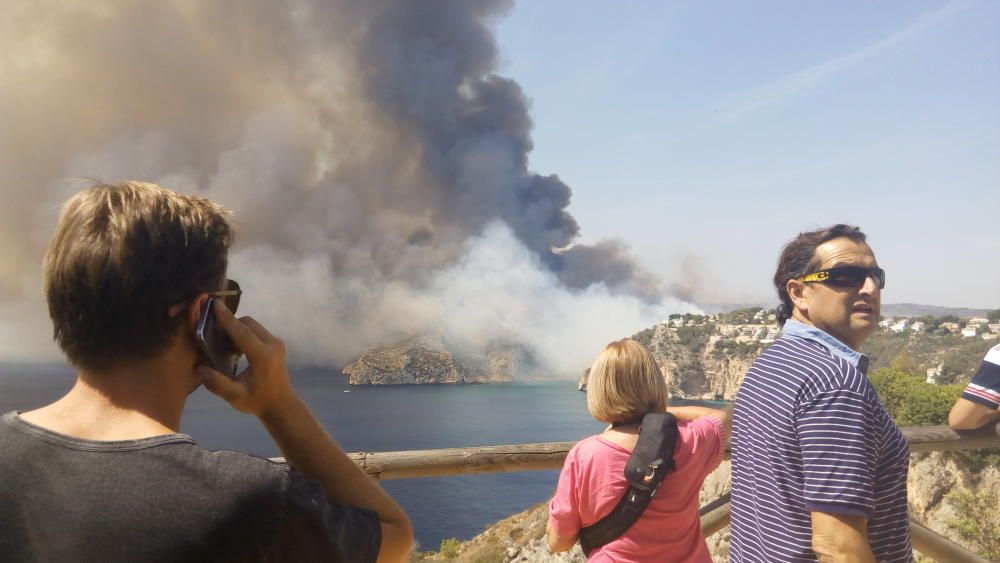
{"x":916,"y":352}
{"x":976,"y":460}
{"x":910,"y":400}
{"x":913,"y":402}
{"x":694,"y":338}
{"x":882,"y":347}
{"x":977,"y":521}
{"x":741,"y":316}
{"x":994,"y":316}
{"x":449,"y":548}
{"x":645,"y":337}
{"x":725,"y":348}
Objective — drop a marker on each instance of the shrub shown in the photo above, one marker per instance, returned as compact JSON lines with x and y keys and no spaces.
{"x":977,"y":521}
{"x":449,"y":548}
{"x":910,"y":400}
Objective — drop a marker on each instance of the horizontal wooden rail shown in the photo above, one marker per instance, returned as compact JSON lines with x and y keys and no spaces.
{"x":550,"y":455}
{"x":715,"y":515}
{"x":940,"y":548}
{"x":462,"y":461}
{"x":942,"y":438}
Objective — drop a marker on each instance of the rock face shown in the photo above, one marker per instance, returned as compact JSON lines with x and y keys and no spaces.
{"x":932,"y":477}
{"x":431,"y":359}
{"x":695,"y":365}
{"x":519,"y":538}
{"x":698,"y":365}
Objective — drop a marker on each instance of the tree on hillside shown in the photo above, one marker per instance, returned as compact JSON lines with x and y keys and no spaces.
{"x":931,"y":323}
{"x":644,"y":337}
{"x":882,"y":347}
{"x":904,"y":363}
{"x":994,"y":316}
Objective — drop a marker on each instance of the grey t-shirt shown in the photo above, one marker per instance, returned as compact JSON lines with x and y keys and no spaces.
{"x":164,"y":499}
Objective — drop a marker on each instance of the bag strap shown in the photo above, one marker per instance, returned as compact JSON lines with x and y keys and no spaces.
{"x":651,"y":460}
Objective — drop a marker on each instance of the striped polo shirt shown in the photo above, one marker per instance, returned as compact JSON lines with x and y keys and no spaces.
{"x":985,"y":385}
{"x":810,"y":434}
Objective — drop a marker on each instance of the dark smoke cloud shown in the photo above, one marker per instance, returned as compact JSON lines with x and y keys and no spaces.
{"x":364,"y":146}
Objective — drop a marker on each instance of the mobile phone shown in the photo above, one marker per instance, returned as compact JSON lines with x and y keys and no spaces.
{"x":217,"y":349}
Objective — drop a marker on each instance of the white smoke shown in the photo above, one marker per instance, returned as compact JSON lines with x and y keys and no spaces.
{"x":497,"y":289}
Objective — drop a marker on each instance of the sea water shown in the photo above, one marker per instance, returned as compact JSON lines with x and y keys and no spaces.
{"x":387,"y":418}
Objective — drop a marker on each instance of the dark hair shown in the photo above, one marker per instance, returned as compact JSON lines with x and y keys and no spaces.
{"x":120,"y":257}
{"x":798,"y":258}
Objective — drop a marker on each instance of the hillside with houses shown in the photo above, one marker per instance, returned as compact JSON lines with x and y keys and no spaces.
{"x":705,"y":356}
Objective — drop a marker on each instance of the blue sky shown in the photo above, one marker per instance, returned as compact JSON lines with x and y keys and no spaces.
{"x":706,"y":134}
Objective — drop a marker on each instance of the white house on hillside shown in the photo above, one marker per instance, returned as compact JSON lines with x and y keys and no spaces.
{"x":934,"y":373}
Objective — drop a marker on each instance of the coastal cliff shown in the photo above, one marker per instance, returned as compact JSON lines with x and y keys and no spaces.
{"x":699,"y":361}
{"x":432,"y":359}
{"x":699,"y":366}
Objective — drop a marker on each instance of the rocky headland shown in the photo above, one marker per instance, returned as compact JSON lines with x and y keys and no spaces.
{"x":433,"y":359}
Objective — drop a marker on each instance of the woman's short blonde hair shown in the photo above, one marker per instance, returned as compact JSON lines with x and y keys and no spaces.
{"x":625,"y":383}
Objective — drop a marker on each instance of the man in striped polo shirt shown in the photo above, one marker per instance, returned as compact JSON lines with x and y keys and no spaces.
{"x":979,"y":405}
{"x":819,"y":467}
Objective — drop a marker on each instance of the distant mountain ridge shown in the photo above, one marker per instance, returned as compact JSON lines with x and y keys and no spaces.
{"x":916,"y":310}
{"x":888,"y":309}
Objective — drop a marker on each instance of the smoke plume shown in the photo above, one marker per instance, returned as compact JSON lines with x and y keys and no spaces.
{"x":376,"y":165}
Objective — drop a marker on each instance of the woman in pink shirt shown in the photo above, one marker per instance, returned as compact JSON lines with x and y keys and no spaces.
{"x":624,"y":385}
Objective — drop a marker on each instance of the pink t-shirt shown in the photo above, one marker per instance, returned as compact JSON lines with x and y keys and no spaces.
{"x":593,"y":481}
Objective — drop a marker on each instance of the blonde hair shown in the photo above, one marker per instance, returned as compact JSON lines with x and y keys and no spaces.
{"x":625,"y":383}
{"x":120,"y":257}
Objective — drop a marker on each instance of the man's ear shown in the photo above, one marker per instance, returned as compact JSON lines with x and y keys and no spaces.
{"x":193,"y":311}
{"x":796,"y":292}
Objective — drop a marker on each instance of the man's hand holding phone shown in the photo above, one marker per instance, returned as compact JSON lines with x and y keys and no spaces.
{"x":264,"y":390}
{"x":263,"y":387}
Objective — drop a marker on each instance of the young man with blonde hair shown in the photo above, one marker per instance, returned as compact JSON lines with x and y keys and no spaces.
{"x":103,"y":475}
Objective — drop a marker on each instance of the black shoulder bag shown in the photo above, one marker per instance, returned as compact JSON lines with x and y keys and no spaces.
{"x":652,"y":459}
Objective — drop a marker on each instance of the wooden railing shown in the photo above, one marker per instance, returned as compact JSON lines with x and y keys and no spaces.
{"x":550,"y":455}
{"x":714,"y":515}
